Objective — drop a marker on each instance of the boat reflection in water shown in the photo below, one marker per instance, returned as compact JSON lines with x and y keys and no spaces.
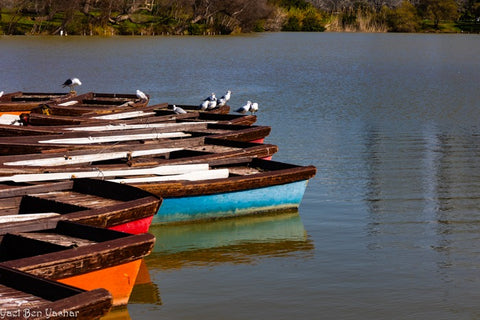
{"x":237,"y":240}
{"x":241,"y":240}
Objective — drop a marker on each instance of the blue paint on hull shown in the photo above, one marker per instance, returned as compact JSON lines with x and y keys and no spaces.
{"x":286,"y":196}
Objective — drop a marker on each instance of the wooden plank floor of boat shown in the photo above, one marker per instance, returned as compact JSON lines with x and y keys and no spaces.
{"x":79,"y":199}
{"x":11,"y":299}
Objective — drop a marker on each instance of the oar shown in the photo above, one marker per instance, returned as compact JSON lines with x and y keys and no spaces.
{"x":159,"y":170}
{"x":190,"y":176}
{"x":85,"y":158}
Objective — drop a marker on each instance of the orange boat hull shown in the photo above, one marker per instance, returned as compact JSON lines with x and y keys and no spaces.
{"x":118,"y":280}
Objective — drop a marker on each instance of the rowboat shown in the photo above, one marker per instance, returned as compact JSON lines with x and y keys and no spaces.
{"x":19,"y":102}
{"x":26,"y":296}
{"x":253,"y":186}
{"x":118,"y":157}
{"x":189,"y":108}
{"x":89,"y":201}
{"x":149,"y":114}
{"x":103,"y":140}
{"x":220,"y":188}
{"x":78,"y":255}
{"x":92,"y":102}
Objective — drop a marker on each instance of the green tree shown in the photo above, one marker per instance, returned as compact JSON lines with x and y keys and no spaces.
{"x":404,"y":18}
{"x":439,"y":10}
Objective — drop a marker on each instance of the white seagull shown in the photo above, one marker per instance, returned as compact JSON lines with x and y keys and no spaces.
{"x":211,"y":97}
{"x":141,"y":95}
{"x":245,"y":108}
{"x":212,"y":104}
{"x":254,"y":108}
{"x":1,"y":93}
{"x":72,"y":82}
{"x":204,"y":105}
{"x":178,"y":110}
{"x":224,"y":99}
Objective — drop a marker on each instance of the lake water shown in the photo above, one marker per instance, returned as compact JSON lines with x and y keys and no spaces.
{"x":390,"y":226}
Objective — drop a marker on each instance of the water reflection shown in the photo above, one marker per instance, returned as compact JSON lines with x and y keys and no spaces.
{"x":241,"y":240}
{"x":423,"y":194}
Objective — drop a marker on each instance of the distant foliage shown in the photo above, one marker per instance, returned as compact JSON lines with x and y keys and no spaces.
{"x":200,"y":17}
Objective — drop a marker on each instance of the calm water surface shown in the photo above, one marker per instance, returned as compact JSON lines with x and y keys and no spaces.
{"x":390,"y":226}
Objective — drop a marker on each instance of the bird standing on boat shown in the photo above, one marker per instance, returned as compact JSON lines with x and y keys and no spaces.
{"x":254,"y":108}
{"x":204,"y":105}
{"x":245,"y":108}
{"x":72,"y":82}
{"x":224,"y":99}
{"x":1,"y":93}
{"x":178,"y":110}
{"x":212,"y":104}
{"x":141,"y":95}
{"x":209,"y":103}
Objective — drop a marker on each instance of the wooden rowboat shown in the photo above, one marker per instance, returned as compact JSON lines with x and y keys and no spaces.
{"x":225,"y":109}
{"x":118,"y":157}
{"x":20,"y":102}
{"x":149,"y":114}
{"x":78,"y":255}
{"x":221,"y":188}
{"x":103,"y":140}
{"x":93,"y":202}
{"x":253,"y":186}
{"x":92,"y":102}
{"x":25,"y":296}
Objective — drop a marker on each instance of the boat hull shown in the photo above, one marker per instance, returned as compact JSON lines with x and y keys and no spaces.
{"x":118,"y":280}
{"x":134,"y":227}
{"x":231,"y":204}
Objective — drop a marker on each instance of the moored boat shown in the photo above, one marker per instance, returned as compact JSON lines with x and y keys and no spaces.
{"x":93,"y":202}
{"x":103,"y":140}
{"x":26,"y":296}
{"x":118,"y":157}
{"x":92,"y":102}
{"x":150,"y":114}
{"x":21,"y":102}
{"x":219,"y":188}
{"x":253,"y":186}
{"x":78,"y":255}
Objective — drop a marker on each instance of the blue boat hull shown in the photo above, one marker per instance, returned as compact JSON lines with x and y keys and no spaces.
{"x":230,"y":204}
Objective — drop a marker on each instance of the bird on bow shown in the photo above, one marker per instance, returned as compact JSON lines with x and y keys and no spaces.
{"x":72,"y":82}
{"x":141,"y":95}
{"x":245,"y":108}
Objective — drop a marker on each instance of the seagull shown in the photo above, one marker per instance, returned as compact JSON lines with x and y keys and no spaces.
{"x":1,"y":93}
{"x":211,"y":97}
{"x":212,"y":104}
{"x":245,"y":108}
{"x":178,"y":110}
{"x":141,"y":95}
{"x":224,"y":99}
{"x":72,"y":82}
{"x":204,"y":105}
{"x":254,"y":108}
{"x":227,"y":95}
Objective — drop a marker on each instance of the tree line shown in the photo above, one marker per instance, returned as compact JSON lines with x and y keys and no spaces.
{"x":197,"y":17}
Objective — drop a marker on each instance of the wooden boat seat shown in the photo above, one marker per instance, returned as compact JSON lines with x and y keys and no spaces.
{"x":78,"y":199}
{"x":11,"y":299}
